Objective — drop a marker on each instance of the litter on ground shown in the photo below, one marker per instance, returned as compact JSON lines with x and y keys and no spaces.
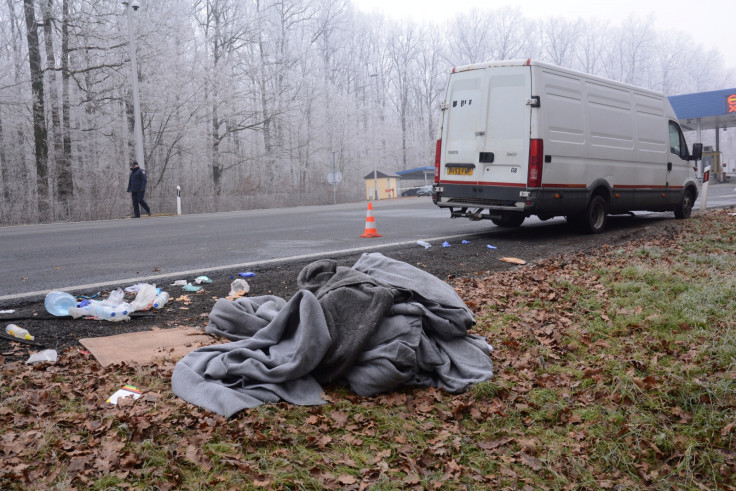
{"x":375,"y":327}
{"x":513,"y":260}
{"x":126,"y":391}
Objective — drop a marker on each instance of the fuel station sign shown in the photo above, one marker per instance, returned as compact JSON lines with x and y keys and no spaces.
{"x":731,"y":104}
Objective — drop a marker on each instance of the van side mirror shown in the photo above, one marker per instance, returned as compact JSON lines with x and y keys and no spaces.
{"x":697,"y":151}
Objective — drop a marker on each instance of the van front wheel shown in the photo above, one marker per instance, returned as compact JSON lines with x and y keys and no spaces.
{"x":685,"y":208}
{"x":594,"y":220}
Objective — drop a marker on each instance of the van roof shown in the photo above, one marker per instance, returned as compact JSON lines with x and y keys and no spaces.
{"x":530,"y":62}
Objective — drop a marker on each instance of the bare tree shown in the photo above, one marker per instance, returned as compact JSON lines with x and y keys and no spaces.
{"x":559,"y":37}
{"x":39,"y":118}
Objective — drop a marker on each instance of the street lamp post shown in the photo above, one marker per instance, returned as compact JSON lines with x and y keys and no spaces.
{"x":373,"y":150}
{"x":138,"y":130}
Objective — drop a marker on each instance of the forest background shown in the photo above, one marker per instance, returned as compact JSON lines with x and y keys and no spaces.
{"x":250,"y":103}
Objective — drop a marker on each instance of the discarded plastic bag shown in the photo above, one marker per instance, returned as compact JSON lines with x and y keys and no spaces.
{"x":41,"y":356}
{"x":426,"y":245}
{"x":491,"y":247}
{"x":513,"y":260}
{"x":466,"y":241}
{"x":135,"y":288}
{"x":116,"y":297}
{"x":239,"y":288}
{"x":145,"y":297}
{"x":202,"y":279}
{"x":192,"y":288}
{"x":179,"y":283}
{"x":445,"y":244}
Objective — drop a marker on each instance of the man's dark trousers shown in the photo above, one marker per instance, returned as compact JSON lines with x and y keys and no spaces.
{"x":138,"y":199}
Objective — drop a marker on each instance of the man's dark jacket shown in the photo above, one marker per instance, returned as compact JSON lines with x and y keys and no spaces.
{"x":137,"y":181}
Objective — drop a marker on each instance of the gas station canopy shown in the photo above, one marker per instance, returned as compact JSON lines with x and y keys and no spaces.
{"x":417,"y":173}
{"x":714,"y":110}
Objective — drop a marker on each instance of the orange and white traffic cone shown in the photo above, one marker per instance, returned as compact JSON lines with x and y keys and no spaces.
{"x":370,"y":224}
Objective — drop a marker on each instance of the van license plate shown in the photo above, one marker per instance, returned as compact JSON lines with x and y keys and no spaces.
{"x":460,"y":171}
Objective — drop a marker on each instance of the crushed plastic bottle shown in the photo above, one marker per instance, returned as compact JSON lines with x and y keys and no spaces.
{"x":100,"y":310}
{"x":18,"y":332}
{"x":59,"y":303}
{"x":113,"y":313}
{"x":160,"y":300}
{"x":426,"y":245}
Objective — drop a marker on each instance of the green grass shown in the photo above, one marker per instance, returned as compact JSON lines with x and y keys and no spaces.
{"x":614,"y":370}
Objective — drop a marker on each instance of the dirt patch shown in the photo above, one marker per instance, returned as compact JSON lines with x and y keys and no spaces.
{"x":447,"y":263}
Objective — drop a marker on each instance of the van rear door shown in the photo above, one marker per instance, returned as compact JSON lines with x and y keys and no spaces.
{"x":487,"y":129}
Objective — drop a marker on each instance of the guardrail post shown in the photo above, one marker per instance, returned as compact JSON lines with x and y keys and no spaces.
{"x":704,"y":194}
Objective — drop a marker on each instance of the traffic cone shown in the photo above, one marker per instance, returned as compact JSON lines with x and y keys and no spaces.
{"x":370,"y":224}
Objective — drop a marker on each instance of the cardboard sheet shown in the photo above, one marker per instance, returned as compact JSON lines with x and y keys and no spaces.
{"x":145,"y":346}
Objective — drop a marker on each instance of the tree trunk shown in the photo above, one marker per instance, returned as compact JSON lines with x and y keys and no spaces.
{"x":67,"y":189}
{"x":63,"y":182}
{"x":39,"y":121}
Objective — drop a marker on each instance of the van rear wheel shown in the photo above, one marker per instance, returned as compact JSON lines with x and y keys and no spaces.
{"x":510,"y":220}
{"x":593,"y":219}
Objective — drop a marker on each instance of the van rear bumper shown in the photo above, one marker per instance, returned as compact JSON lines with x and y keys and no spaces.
{"x":471,"y":201}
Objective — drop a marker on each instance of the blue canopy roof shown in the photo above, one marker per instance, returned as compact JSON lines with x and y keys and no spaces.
{"x":416,"y":173}
{"x":715,"y":109}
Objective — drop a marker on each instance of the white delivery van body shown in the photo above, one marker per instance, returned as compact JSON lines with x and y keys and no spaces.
{"x":522,"y":138}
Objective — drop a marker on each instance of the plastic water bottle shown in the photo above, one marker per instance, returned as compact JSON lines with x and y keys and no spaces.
{"x":59,"y":303}
{"x":114,"y":313}
{"x":18,"y":332}
{"x":160,"y":300}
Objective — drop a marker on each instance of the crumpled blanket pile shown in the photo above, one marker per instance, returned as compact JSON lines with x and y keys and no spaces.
{"x":379,"y":325}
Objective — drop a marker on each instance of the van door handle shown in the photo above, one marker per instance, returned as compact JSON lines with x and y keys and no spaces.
{"x":669,"y":166}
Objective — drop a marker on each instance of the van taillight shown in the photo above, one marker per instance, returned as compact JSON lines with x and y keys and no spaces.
{"x":437,"y":158}
{"x":536,"y":157}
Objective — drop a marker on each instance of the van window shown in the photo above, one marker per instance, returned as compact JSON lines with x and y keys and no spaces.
{"x":674,"y":139}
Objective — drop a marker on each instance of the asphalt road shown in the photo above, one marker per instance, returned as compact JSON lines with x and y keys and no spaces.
{"x":35,"y":259}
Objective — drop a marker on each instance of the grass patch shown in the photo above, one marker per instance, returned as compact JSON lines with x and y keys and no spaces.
{"x":613,"y":369}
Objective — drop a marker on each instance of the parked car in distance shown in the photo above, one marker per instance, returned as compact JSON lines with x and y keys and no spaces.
{"x":425,"y":190}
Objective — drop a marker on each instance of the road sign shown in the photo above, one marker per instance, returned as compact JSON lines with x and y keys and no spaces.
{"x":334,"y":177}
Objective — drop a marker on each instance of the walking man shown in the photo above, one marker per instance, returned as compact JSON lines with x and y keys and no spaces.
{"x":137,"y":189}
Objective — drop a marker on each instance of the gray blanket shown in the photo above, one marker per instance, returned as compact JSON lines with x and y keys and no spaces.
{"x":376,"y":326}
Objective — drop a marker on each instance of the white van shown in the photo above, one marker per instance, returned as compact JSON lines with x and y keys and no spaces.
{"x":522,"y":138}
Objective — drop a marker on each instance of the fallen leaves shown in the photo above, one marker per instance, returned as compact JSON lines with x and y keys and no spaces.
{"x":580,"y":396}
